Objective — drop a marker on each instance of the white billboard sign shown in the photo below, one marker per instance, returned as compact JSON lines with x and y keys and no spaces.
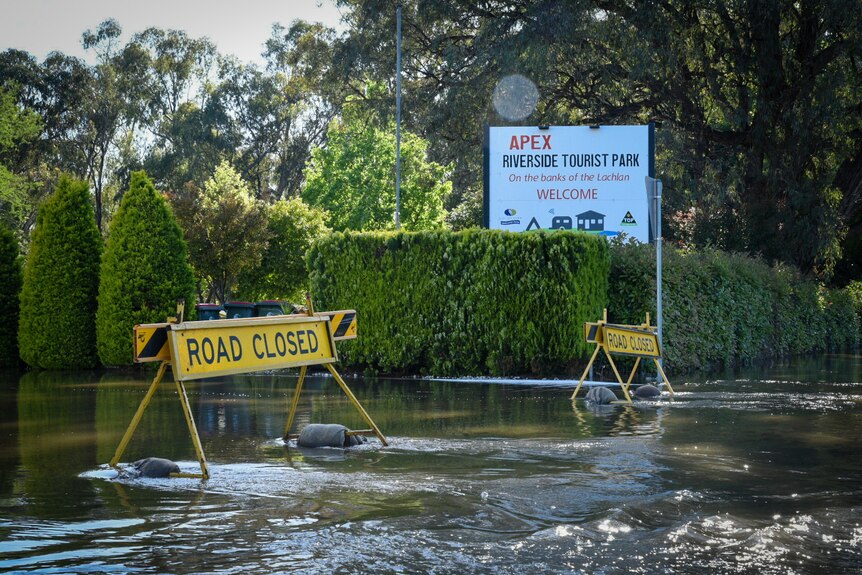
{"x":569,"y":177}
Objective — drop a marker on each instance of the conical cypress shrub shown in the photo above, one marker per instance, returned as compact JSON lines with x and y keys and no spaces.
{"x":145,"y":270}
{"x":57,"y":328}
{"x":10,"y":291}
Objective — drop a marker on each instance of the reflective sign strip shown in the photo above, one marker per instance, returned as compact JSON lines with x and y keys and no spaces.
{"x":343,"y":323}
{"x":202,"y":349}
{"x":591,"y":333}
{"x":151,"y":343}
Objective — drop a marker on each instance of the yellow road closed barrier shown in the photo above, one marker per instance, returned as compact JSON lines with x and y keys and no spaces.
{"x":202,"y":349}
{"x":639,"y":341}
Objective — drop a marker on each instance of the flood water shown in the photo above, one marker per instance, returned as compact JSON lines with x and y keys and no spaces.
{"x":754,"y":472}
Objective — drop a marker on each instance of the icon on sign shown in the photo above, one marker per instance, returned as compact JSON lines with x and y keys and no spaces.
{"x":628,"y":220}
{"x":561,"y":223}
{"x":533,"y":225}
{"x":510,"y":212}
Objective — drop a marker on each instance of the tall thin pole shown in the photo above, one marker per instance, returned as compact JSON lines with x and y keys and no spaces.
{"x":658,"y":260}
{"x":398,"y":120}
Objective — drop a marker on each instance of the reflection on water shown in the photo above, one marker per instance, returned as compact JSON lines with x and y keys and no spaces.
{"x":754,"y":472}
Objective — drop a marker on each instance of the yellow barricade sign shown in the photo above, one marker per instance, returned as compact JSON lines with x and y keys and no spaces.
{"x":151,"y":339}
{"x":202,"y":349}
{"x":628,"y":340}
{"x":639,"y":341}
{"x":212,"y":348}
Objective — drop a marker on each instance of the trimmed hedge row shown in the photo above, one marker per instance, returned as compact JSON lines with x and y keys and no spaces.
{"x":726,"y":309}
{"x":488,"y":302}
{"x":471,"y":302}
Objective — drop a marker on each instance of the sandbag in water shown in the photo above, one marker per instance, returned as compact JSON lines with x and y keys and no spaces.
{"x":155,"y":467}
{"x":327,"y":435}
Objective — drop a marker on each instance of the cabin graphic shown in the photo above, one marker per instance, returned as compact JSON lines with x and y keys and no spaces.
{"x":591,"y":221}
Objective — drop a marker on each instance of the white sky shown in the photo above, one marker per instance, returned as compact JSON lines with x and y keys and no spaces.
{"x":238,"y":27}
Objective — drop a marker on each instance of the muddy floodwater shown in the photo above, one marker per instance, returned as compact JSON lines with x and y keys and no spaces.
{"x":758,"y":471}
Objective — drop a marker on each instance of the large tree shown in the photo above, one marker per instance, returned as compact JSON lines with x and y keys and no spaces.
{"x":57,"y":328}
{"x":226,"y":230}
{"x":145,"y":270}
{"x":353,"y":176}
{"x":293,"y":226}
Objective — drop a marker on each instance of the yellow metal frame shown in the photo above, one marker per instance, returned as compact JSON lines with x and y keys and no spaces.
{"x":190,"y":421}
{"x":601,"y":345}
{"x":303,"y":371}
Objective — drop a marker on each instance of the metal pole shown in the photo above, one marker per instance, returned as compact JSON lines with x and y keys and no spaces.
{"x":658,"y":260}
{"x":398,"y":121}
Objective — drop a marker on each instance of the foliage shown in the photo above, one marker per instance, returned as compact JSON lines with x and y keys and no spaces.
{"x":18,"y":128}
{"x":10,"y":289}
{"x":854,"y":290}
{"x":746,"y":95}
{"x":477,"y":301}
{"x":57,"y":328}
{"x":293,"y":226}
{"x":145,"y":270}
{"x":226,"y":230}
{"x":352,"y":177}
{"x":726,"y":309}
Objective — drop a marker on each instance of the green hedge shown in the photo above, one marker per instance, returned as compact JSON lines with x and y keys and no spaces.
{"x":145,"y":270}
{"x":472,"y":302}
{"x":725,"y":309}
{"x":57,"y":328}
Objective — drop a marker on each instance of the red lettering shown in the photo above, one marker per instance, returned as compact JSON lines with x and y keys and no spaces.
{"x":535,"y":142}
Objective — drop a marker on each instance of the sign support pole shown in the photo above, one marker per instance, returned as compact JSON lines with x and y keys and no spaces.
{"x":130,"y":431}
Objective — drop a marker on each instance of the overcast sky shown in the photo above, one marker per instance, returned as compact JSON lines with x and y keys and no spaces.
{"x":238,"y":27}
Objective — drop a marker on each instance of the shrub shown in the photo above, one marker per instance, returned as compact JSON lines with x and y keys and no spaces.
{"x":10,"y":289}
{"x":726,"y":309}
{"x":474,"y":302}
{"x":57,"y":327}
{"x":145,"y":270}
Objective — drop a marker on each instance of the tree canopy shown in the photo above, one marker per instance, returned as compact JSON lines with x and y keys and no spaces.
{"x":352,"y":177}
{"x":756,"y":104}
{"x":226,"y":230}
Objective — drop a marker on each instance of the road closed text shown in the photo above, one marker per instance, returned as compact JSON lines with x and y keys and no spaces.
{"x":631,"y":342}
{"x":206,"y":351}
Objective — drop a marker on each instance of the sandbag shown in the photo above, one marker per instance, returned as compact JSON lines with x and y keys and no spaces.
{"x":647,"y":392}
{"x":155,"y":467}
{"x":326,"y":435}
{"x":600,"y":396}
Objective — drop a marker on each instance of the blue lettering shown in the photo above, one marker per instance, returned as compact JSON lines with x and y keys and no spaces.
{"x":194,"y":351}
{"x":312,"y":341}
{"x":301,"y":336}
{"x":208,"y":350}
{"x":280,"y":344}
{"x":291,"y":342}
{"x":266,"y":347}
{"x":222,"y":351}
{"x":235,"y":348}
{"x":254,"y":340}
